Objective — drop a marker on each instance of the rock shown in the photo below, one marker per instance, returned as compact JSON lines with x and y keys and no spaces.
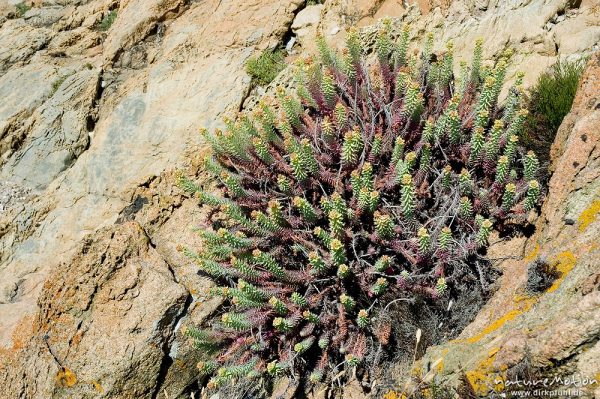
{"x":19,"y":41}
{"x":11,"y":194}
{"x":45,"y":16}
{"x":112,"y":130}
{"x":34,"y":85}
{"x":73,"y":42}
{"x":559,"y":328}
{"x":135,"y":19}
{"x":576,"y":34}
{"x":54,"y":136}
{"x":305,"y":23}
{"x":290,"y":44}
{"x":168,"y":218}
{"x":101,"y":329}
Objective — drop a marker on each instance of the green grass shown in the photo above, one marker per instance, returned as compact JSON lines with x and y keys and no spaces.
{"x":107,"y":21}
{"x":56,"y":84}
{"x":549,"y":102}
{"x":22,"y":8}
{"x":264,"y":68}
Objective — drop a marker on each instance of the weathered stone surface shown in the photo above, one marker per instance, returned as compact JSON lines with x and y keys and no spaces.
{"x":307,"y":20}
{"x":36,"y":85}
{"x":104,"y":323}
{"x":169,"y":219}
{"x":19,"y":41}
{"x":11,"y":194}
{"x":128,"y":109}
{"x":136,"y":18}
{"x":94,"y":153}
{"x":558,"y":330}
{"x":57,"y":132}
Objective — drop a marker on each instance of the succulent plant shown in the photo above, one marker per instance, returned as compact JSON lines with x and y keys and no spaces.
{"x":370,"y":174}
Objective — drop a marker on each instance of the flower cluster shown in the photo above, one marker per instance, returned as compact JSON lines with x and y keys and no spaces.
{"x":371,"y":182}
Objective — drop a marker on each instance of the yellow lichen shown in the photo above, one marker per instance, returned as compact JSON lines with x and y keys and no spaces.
{"x":440,"y":363}
{"x":65,"y":377}
{"x":485,"y":377}
{"x":440,"y":366}
{"x":394,"y":395}
{"x":98,"y":387}
{"x":589,"y":216}
{"x":524,"y":304}
{"x":417,"y":370}
{"x":533,"y":254}
{"x":565,"y":262}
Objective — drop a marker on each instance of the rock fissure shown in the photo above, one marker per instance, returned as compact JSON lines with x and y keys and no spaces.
{"x":167,"y":360}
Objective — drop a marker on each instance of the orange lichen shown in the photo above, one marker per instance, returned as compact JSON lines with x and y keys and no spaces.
{"x":589,"y":216}
{"x":77,"y":338}
{"x":485,"y":377}
{"x":22,"y":332}
{"x":20,"y":337}
{"x":565,"y":263}
{"x":65,"y":377}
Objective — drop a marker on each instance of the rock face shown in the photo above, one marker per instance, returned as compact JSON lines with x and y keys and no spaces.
{"x":307,"y":20}
{"x":557,"y":331}
{"x":89,"y":120}
{"x":93,"y":123}
{"x":111,"y":286}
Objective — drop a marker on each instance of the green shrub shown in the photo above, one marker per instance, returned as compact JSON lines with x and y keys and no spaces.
{"x":264,"y":68}
{"x":22,"y":8}
{"x":108,"y":20}
{"x":367,"y":185}
{"x":549,"y":102}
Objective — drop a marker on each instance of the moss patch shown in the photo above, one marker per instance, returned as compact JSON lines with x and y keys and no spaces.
{"x":22,"y":8}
